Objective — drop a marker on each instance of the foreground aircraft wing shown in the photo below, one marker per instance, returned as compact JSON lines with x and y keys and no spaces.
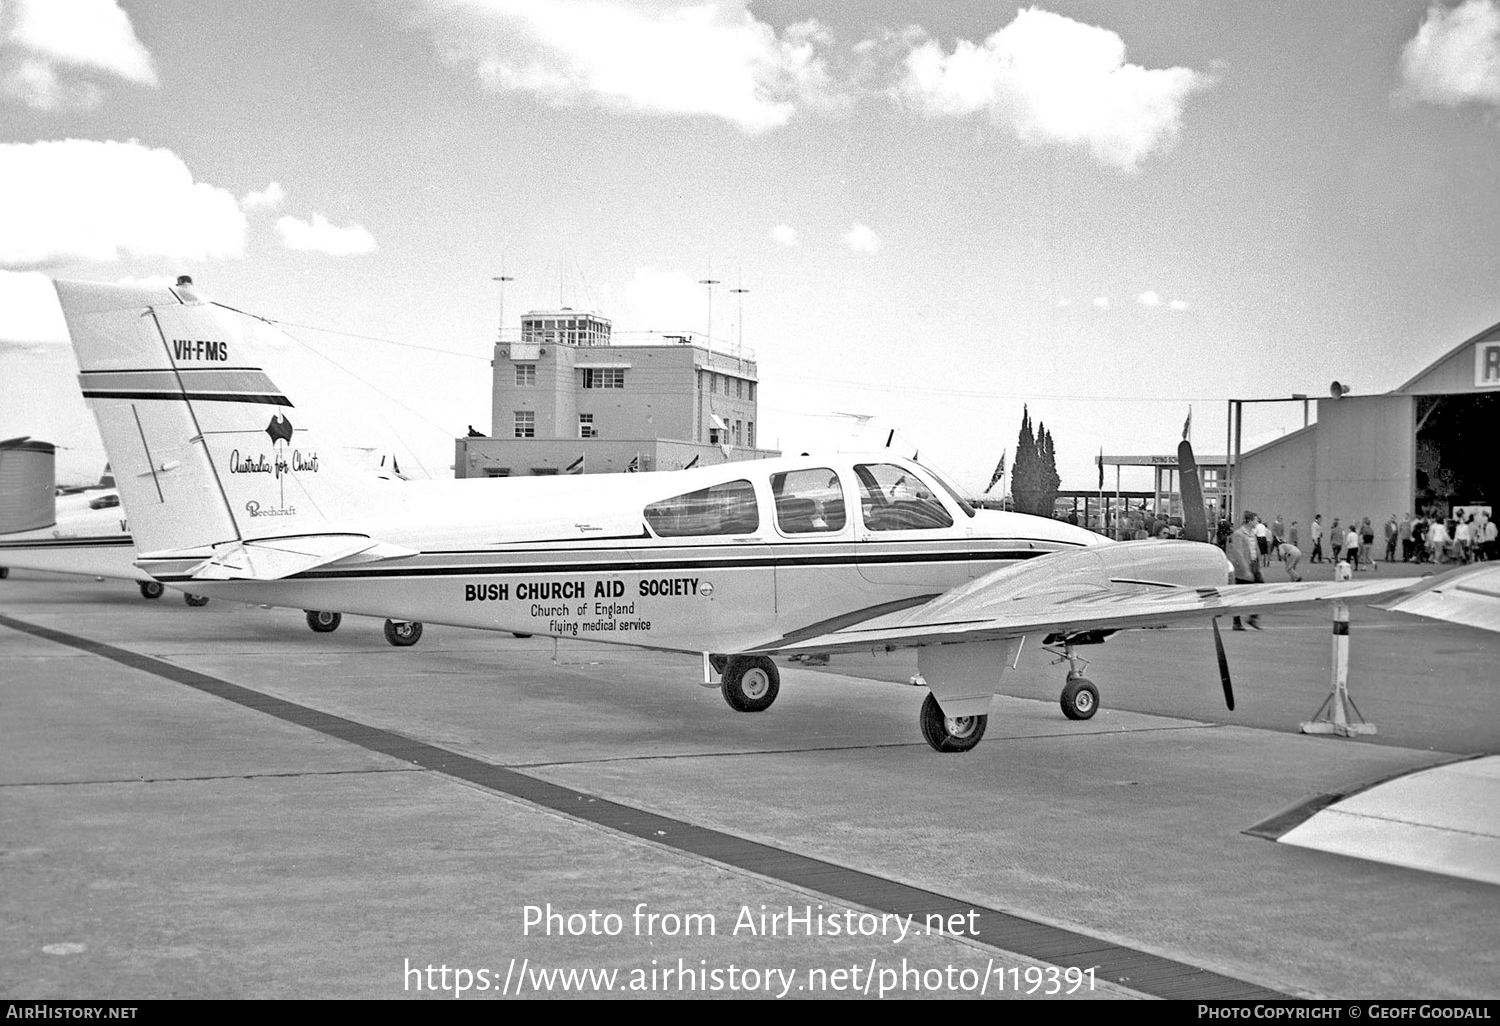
{"x":989,"y":611}
{"x":1470,"y":597}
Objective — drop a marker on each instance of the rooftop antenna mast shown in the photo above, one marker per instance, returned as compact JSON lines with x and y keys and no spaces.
{"x":708,"y":284}
{"x":739,"y":345}
{"x":502,"y":278}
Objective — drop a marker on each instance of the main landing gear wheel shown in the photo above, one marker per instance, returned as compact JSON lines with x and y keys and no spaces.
{"x":403,"y":633}
{"x":194,"y":600}
{"x":950,"y":733}
{"x":323,"y":622}
{"x":152,"y":589}
{"x":1080,"y":699}
{"x":4,"y":572}
{"x":750,"y":683}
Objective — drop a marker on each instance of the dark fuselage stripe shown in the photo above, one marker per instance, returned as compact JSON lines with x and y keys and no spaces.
{"x":635,"y":566}
{"x":65,"y":543}
{"x":217,"y":397}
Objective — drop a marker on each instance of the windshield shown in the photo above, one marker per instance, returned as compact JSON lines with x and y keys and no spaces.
{"x":952,"y":492}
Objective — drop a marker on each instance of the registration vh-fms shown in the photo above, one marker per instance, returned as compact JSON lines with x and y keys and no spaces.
{"x":232,"y":492}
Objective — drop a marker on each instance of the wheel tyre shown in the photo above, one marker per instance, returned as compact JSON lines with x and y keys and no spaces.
{"x":4,"y":572}
{"x":1080,"y":699}
{"x":152,"y":589}
{"x":751,"y":683}
{"x":950,"y":733}
{"x":324,"y":622}
{"x":403,"y":633}
{"x":194,"y":600}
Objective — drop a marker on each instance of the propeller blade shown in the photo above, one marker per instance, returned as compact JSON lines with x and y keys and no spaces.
{"x":1223,"y":666}
{"x":1194,"y":516}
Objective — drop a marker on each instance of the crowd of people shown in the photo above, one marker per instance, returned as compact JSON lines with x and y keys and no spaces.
{"x":1465,"y":537}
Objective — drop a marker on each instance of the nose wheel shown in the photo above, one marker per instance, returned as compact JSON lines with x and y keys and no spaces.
{"x":1079,"y":698}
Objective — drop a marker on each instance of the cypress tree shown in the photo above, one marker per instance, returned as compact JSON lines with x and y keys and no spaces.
{"x":1024,"y":474}
{"x":1050,"y":482}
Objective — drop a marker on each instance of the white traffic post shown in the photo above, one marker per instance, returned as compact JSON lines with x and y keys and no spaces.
{"x":1333,"y":716}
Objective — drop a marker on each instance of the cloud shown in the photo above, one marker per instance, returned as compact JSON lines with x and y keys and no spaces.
{"x":1149,"y":298}
{"x":45,"y":45}
{"x":666,"y":301}
{"x":713,"y":59}
{"x":862,"y":240}
{"x":1055,"y":80}
{"x":77,"y":199}
{"x":322,"y":237}
{"x":1178,"y":304}
{"x":1455,"y":56}
{"x":785,"y":234}
{"x":29,"y":314}
{"x":270,"y":197}
{"x":1102,"y":302}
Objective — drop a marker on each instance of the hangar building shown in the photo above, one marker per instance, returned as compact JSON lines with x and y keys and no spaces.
{"x":1426,"y":447}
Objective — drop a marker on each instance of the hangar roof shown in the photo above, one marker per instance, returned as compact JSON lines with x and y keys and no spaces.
{"x":1451,"y":372}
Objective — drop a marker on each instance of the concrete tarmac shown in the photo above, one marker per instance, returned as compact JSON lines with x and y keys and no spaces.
{"x":216,"y":802}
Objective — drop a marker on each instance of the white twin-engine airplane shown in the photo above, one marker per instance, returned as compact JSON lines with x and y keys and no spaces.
{"x":231,"y":494}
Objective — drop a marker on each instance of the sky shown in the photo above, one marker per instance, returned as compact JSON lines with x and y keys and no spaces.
{"x":1109,"y":213}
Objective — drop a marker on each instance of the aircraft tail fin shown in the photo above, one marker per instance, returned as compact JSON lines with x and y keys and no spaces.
{"x":206,"y":448}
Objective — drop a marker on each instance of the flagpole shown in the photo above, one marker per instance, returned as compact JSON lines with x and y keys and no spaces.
{"x":1117,"y":503}
{"x":1104,"y":527}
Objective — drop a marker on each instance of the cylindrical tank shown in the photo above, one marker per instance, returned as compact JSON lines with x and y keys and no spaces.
{"x":28,"y":485}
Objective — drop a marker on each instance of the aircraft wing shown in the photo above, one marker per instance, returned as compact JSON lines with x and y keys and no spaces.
{"x":1470,"y":596}
{"x":978,"y":614}
{"x":271,"y":559}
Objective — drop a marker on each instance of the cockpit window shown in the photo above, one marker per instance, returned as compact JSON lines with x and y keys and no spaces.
{"x":808,"y":501}
{"x":728,"y":508}
{"x":963,"y":503}
{"x":893,"y":499}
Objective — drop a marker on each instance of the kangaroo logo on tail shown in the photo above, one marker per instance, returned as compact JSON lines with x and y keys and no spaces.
{"x":280,"y":429}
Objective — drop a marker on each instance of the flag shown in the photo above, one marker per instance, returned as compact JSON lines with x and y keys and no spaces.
{"x":635,"y":464}
{"x":997,"y":475}
{"x":692,"y":463}
{"x":1101,"y":468}
{"x":1187,"y":425}
{"x":576,"y":467}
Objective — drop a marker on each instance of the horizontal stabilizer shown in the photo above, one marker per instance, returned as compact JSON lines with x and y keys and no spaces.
{"x":271,"y":559}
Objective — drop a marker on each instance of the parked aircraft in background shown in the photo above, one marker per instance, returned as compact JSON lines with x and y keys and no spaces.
{"x":231,"y":492}
{"x":84,"y":530}
{"x":81,"y":531}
